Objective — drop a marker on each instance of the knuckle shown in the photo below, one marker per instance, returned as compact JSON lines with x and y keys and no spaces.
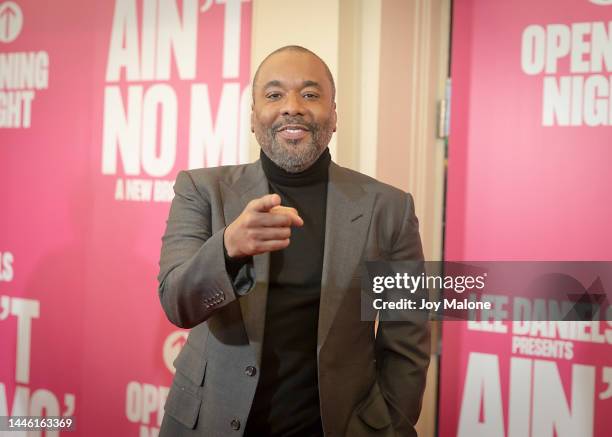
{"x":248,"y":220}
{"x":252,"y":246}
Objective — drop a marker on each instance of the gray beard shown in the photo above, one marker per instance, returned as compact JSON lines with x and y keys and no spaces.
{"x":295,"y":158}
{"x":292,"y":161}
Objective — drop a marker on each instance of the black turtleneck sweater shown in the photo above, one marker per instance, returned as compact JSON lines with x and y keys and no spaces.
{"x":286,"y":402}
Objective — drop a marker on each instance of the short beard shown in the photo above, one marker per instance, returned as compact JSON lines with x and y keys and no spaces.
{"x":295,"y":157}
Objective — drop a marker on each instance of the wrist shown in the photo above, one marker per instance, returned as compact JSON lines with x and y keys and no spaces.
{"x":228,"y":250}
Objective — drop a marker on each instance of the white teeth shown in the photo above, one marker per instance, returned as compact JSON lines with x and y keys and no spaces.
{"x":294,"y":131}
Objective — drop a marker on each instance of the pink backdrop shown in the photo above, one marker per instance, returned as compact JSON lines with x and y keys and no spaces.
{"x":529,"y":179}
{"x":101,"y":104}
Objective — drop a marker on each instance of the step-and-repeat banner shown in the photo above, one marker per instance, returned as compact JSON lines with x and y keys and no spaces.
{"x":101,"y":104}
{"x":529,"y":179}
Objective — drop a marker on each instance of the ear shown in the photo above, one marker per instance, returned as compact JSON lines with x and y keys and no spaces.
{"x":335,"y":117}
{"x":252,"y":118}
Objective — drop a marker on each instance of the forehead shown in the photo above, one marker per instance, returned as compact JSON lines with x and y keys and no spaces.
{"x":292,"y":67}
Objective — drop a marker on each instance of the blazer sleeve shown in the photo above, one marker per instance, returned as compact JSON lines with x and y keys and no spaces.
{"x":403,"y":347}
{"x":193,"y":279}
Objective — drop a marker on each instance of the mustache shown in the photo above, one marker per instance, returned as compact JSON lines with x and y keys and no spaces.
{"x":293,"y":120}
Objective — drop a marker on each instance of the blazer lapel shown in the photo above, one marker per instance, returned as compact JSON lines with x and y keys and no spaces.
{"x":349,"y":211}
{"x":252,"y":184}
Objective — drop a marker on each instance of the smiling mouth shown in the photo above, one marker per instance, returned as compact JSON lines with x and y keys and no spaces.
{"x":293,"y":131}
{"x":292,"y":128}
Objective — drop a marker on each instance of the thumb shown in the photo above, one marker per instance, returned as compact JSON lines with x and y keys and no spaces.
{"x":292,"y":213}
{"x":264,"y":203}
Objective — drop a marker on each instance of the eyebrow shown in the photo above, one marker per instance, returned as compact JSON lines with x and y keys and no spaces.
{"x":272,"y":83}
{"x":305,"y":84}
{"x":311,"y":83}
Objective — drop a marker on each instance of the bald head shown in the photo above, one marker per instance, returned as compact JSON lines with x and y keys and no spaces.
{"x":297,"y":49}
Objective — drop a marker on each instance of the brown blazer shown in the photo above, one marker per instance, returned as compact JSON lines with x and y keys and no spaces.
{"x":369,"y":385}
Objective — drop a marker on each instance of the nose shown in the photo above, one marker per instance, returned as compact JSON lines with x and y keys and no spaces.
{"x":292,"y":104}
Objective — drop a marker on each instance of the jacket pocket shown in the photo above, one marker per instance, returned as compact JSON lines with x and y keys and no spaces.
{"x":183,"y":405}
{"x":373,"y":410}
{"x":185,"y":396}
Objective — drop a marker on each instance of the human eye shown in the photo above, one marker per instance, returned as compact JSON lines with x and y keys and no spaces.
{"x":273,"y":95}
{"x":309,"y":95}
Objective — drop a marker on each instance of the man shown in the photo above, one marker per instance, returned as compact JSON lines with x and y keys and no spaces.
{"x":263,"y":262}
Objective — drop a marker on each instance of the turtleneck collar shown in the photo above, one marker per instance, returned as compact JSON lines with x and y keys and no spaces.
{"x":317,"y":172}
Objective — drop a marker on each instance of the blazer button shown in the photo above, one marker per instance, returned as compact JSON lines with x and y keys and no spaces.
{"x":235,"y":424}
{"x":250,"y":371}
